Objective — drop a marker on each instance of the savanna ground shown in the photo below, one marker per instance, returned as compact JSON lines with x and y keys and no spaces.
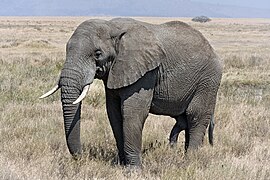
{"x":32,"y":51}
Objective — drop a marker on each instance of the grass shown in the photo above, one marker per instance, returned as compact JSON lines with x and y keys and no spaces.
{"x":32,"y":51}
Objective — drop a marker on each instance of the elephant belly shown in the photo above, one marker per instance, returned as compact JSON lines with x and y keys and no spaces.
{"x":174,"y":89}
{"x":172,"y":95}
{"x":168,"y":107}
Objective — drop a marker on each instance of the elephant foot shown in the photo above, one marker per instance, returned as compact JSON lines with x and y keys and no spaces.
{"x":118,"y":161}
{"x":133,"y":160}
{"x":115,"y":161}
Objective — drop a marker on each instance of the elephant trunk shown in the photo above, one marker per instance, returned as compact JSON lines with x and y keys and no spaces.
{"x":72,"y":117}
{"x":72,"y":82}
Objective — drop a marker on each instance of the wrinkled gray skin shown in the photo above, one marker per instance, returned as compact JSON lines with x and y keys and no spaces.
{"x":167,"y":69}
{"x":181,"y":124}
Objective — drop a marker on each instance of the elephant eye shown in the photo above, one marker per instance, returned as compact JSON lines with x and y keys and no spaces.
{"x":98,"y":54}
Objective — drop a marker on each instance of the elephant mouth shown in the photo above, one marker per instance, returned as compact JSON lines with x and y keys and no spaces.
{"x":102,"y":68}
{"x":71,"y":79}
{"x":100,"y":72}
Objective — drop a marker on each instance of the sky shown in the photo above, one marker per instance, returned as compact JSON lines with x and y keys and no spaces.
{"x":264,"y":4}
{"x":165,"y":8}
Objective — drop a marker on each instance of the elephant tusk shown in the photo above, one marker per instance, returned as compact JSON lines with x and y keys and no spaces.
{"x":83,"y":94}
{"x":50,"y":92}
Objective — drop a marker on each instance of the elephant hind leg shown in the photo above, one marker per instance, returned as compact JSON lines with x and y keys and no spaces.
{"x":180,"y":125}
{"x":196,"y":132}
{"x":199,"y":114}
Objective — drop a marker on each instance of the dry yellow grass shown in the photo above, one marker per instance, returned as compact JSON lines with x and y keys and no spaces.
{"x":32,"y":51}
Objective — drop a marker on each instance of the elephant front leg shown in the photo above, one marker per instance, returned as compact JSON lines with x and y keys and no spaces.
{"x":135,"y":109}
{"x":113,"y":105}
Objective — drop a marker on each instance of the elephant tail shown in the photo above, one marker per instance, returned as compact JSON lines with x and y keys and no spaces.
{"x":211,"y":131}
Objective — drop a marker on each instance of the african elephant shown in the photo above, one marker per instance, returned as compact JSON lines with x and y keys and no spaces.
{"x":167,"y":69}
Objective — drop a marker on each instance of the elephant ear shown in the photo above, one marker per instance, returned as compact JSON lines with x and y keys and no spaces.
{"x":139,"y":51}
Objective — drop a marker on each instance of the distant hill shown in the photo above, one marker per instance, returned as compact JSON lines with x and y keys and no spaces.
{"x":169,"y":8}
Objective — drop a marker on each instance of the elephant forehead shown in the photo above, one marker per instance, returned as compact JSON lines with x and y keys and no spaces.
{"x":91,"y":39}
{"x":93,"y":29}
{"x":79,"y":44}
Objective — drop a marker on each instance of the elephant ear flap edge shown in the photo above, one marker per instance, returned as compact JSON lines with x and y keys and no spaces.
{"x":139,"y":52}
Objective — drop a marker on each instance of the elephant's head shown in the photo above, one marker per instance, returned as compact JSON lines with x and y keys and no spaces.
{"x":102,"y":49}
